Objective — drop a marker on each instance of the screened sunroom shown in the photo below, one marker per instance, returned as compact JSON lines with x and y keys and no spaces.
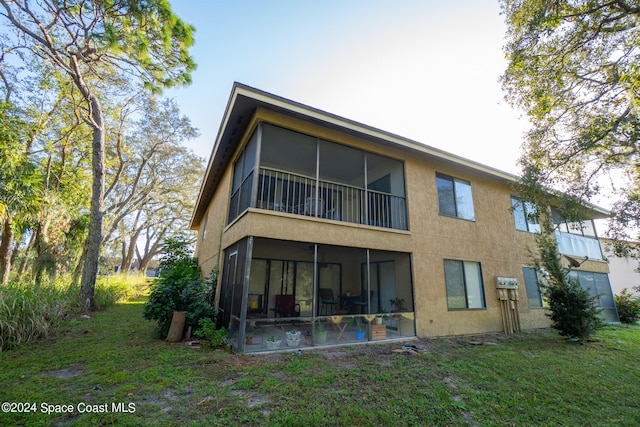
{"x":286,"y":171}
{"x":280,"y":294}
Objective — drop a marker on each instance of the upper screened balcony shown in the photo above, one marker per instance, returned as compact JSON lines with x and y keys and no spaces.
{"x":304,"y":175}
{"x":577,"y":238}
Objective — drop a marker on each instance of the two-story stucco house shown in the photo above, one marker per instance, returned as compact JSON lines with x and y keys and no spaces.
{"x":346,"y":233}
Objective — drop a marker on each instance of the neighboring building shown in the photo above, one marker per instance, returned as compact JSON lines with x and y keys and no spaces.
{"x":623,"y":272}
{"x":318,"y":222}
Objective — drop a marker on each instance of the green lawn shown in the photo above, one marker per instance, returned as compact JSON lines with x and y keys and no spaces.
{"x":112,"y":362}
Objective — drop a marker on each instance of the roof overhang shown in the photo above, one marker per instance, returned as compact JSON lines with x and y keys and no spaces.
{"x":245,"y":100}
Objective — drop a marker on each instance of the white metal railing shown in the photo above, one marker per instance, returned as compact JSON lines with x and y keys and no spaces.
{"x":283,"y":191}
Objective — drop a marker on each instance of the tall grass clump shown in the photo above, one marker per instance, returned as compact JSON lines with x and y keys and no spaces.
{"x":119,"y":287}
{"x":29,"y":312}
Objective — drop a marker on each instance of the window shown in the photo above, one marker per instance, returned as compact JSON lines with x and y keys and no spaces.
{"x":204,"y":226}
{"x":464,"y":284}
{"x":525,"y":215}
{"x":583,"y":228}
{"x":532,"y":284}
{"x":454,"y":197}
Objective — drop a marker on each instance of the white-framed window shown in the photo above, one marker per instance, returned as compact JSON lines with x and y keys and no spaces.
{"x":454,"y":197}
{"x":525,"y":215}
{"x":465,"y":289}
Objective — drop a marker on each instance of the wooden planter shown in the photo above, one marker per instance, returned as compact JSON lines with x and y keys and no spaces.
{"x":378,"y":332}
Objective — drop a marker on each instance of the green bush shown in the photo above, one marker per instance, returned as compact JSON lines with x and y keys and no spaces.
{"x":208,"y":330}
{"x":627,"y":306}
{"x":179,"y":288}
{"x":573,"y":310}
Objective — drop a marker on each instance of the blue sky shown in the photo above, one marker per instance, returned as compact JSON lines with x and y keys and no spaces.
{"x":426,"y":70}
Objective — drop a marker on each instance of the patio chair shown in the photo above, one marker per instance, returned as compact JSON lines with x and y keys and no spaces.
{"x":327,"y":300}
{"x":362,"y":302}
{"x":286,"y":306}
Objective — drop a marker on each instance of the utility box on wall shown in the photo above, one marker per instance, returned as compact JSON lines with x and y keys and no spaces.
{"x":507,"y":290}
{"x":506,"y":283}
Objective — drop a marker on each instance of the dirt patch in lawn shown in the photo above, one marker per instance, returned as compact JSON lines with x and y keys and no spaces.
{"x":65,"y":373}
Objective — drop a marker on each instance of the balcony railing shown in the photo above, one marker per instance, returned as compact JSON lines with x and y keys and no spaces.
{"x":283,"y":191}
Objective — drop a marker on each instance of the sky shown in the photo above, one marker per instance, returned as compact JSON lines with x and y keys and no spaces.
{"x":426,"y":70}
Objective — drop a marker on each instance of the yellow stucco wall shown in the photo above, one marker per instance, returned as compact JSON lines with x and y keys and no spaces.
{"x":491,"y":239}
{"x":208,"y":249}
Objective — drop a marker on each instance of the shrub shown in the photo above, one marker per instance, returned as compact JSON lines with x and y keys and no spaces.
{"x":573,"y":310}
{"x":208,"y":330}
{"x":627,"y":306}
{"x":179,"y":288}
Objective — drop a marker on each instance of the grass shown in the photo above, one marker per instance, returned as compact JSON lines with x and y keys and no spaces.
{"x":534,"y":378}
{"x":119,"y":287}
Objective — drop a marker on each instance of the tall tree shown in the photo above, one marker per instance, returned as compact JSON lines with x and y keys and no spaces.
{"x":85,"y":38}
{"x":152,"y":180}
{"x":18,"y":180}
{"x":574,"y":69}
{"x":58,"y":143}
{"x":145,"y":155}
{"x":55,"y":144}
{"x":166,"y":210}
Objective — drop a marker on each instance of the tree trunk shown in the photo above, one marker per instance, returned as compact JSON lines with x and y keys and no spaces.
{"x":128,"y":258}
{"x":77,"y":272}
{"x":94,"y":237}
{"x":45,"y":260}
{"x":144,"y":262}
{"x":15,"y":253}
{"x":150,"y":252}
{"x":25,"y":258}
{"x":37,"y":266}
{"x":123,"y":255}
{"x":5,"y":246}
